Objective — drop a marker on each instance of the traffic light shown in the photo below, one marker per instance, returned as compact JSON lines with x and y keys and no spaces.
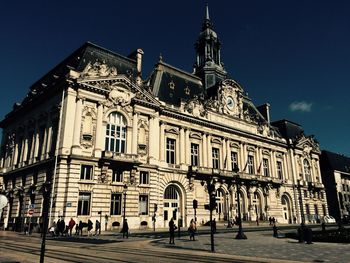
{"x":195,"y":204}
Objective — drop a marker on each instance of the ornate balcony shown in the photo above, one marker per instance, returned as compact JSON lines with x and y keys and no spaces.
{"x":124,"y":161}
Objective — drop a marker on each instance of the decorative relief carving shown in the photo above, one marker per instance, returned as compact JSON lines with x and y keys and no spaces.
{"x":118,"y":96}
{"x":195,"y":107}
{"x":195,"y":135}
{"x":88,"y":126}
{"x":143,"y":133}
{"x":98,"y":69}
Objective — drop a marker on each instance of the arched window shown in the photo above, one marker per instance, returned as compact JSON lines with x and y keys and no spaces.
{"x":170,"y":193}
{"x":307,"y":170}
{"x":116,"y":133}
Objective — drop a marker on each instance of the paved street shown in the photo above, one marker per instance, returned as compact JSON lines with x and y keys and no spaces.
{"x":147,"y":247}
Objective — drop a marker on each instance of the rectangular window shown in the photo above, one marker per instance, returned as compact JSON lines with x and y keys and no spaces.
{"x":143,"y":204}
{"x":144,"y":177}
{"x":343,"y":187}
{"x":305,"y":193}
{"x":19,"y":154}
{"x":324,"y":210}
{"x":170,"y":151}
{"x":86,"y":172}
{"x":279,"y":170}
{"x":345,"y":198}
{"x":266,"y":167}
{"x":30,"y":145}
{"x":251,"y":164}
{"x":307,"y":208}
{"x":116,"y":204}
{"x":216,"y":158}
{"x":117,"y":176}
{"x":234,"y":160}
{"x":347,"y":187}
{"x":84,"y":204}
{"x":194,"y":154}
{"x":316,"y":209}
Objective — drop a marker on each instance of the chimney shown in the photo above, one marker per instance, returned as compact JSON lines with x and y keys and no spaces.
{"x":265,"y":111}
{"x":137,"y":55}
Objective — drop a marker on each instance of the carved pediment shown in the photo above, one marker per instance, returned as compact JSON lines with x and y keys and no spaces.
{"x":195,"y":135}
{"x":118,"y":89}
{"x":195,"y":107}
{"x":307,"y":143}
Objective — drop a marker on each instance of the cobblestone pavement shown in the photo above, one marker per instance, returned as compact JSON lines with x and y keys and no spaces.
{"x":263,"y":245}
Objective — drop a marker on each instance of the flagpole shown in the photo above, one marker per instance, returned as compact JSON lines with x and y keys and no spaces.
{"x":56,"y":158}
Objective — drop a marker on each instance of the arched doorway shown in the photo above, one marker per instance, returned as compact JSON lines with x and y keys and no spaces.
{"x":258,"y":206}
{"x":220,"y":204}
{"x":243,"y":205}
{"x":286,"y":209}
{"x":172,"y":201}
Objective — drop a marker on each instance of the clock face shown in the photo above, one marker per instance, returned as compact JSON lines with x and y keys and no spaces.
{"x":230,"y":103}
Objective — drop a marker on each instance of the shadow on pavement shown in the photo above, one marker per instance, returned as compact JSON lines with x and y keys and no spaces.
{"x":84,"y":240}
{"x":162,"y":243}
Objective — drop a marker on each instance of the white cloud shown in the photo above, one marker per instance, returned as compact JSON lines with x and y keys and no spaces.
{"x":301,"y":106}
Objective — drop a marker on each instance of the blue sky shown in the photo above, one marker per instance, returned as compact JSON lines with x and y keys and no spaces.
{"x":293,"y":54}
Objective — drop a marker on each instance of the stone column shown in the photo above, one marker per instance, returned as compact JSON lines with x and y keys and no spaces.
{"x":209,"y":151}
{"x":187,"y":147}
{"x":134,"y":133}
{"x":204,"y":151}
{"x":154,"y":140}
{"x":223,"y":153}
{"x":274,"y":165}
{"x":228,"y":154}
{"x":244,"y":158}
{"x":183,"y":148}
{"x":49,"y":140}
{"x":162,"y":142}
{"x":99,"y":139}
{"x":77,"y":126}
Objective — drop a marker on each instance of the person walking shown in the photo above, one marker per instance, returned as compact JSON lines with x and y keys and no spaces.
{"x":71,"y":224}
{"x":125,"y":229}
{"x":80,"y":228}
{"x":172,"y":228}
{"x":97,"y":227}
{"x":192,"y":229}
{"x":90,"y":226}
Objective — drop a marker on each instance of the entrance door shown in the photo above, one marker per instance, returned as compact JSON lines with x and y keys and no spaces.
{"x":220,"y":204}
{"x":287,"y":213}
{"x":171,"y":205}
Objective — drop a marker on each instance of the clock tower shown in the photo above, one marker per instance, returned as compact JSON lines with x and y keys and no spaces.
{"x":208,"y":65}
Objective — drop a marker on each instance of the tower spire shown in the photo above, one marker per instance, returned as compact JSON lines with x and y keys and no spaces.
{"x":207,"y":12}
{"x":208,"y":64}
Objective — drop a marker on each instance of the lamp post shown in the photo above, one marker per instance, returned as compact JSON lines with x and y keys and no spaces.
{"x":124,"y":191}
{"x":210,"y":184}
{"x":46,"y":190}
{"x":240,"y":234}
{"x":228,"y":212}
{"x":301,"y":204}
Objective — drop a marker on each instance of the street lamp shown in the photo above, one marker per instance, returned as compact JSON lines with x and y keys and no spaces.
{"x":210,"y":182}
{"x":46,"y":190}
{"x":124,"y":191}
{"x":301,"y":204}
{"x":240,"y":234}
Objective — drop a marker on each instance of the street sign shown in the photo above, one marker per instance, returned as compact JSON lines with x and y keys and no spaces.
{"x":31,"y":206}
{"x":30,"y":212}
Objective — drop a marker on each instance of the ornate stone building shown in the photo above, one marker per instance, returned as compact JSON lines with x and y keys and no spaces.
{"x":126,"y":144}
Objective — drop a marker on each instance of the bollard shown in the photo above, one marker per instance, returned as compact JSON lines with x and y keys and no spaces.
{"x":275,"y":231}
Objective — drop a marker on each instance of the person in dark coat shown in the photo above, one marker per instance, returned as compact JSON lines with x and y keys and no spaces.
{"x":172,"y":228}
{"x":80,"y":228}
{"x":90,"y":226}
{"x":97,"y":227}
{"x":125,"y":229}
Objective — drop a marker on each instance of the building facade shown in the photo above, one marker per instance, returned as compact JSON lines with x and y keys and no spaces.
{"x":335,"y":170}
{"x":114,"y":144}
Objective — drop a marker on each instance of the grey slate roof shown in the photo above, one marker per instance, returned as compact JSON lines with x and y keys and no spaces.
{"x":171,"y":85}
{"x":335,"y":161}
{"x":288,"y":129}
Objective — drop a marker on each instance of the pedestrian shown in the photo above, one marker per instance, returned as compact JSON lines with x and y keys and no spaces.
{"x":90,"y":226}
{"x":172,"y":228}
{"x":61,"y":226}
{"x":97,"y":227}
{"x":192,"y":229}
{"x":214,"y":226}
{"x":270,"y":220}
{"x":80,"y":228}
{"x":273,"y":220}
{"x":294,"y":220}
{"x":71,"y":224}
{"x":125,"y":229}
{"x":257,"y":220}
